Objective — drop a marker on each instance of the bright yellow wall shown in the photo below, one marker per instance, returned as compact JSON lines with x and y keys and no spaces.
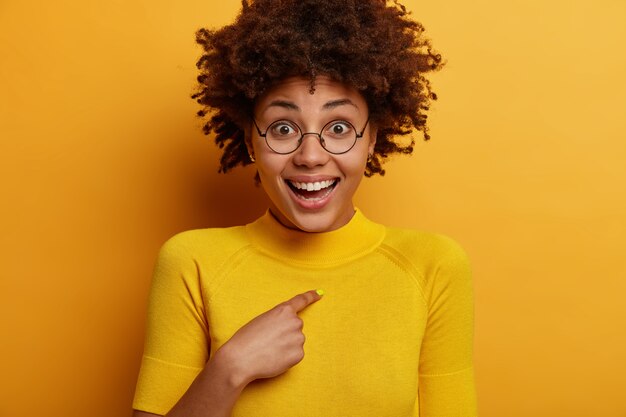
{"x":102,"y":159}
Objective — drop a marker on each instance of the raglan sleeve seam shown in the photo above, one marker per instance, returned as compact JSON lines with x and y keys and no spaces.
{"x":405,"y":264}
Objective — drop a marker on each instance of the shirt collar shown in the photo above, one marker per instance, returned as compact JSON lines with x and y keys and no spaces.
{"x":357,"y":238}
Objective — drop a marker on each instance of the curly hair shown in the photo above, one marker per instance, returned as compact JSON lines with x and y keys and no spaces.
{"x":371,"y":45}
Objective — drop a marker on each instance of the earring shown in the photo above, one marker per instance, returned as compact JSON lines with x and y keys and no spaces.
{"x":369,"y":157}
{"x":251,"y":157}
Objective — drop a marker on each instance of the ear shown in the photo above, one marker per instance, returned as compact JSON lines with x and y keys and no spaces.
{"x":247,"y":137}
{"x":372,"y":144}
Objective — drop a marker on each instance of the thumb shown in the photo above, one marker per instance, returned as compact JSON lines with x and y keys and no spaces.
{"x":301,"y":301}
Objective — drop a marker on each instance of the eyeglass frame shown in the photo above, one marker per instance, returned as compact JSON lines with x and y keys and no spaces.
{"x":319,"y":135}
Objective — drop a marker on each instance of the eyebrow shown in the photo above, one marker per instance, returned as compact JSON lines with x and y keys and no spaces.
{"x":327,"y":106}
{"x":336,"y":103}
{"x":284,"y":104}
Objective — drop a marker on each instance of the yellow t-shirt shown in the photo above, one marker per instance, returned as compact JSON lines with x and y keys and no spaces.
{"x":391,"y":337}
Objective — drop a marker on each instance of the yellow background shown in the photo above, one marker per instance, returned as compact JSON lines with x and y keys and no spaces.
{"x":102,"y":159}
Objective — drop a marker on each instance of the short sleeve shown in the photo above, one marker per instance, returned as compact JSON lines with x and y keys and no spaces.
{"x":446,"y":373}
{"x":176,"y":346}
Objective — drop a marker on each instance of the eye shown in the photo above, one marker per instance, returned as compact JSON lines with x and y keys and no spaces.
{"x":339,"y":129}
{"x":283,"y":129}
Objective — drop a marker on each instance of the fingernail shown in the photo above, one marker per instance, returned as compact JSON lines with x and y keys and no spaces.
{"x":320,"y":292}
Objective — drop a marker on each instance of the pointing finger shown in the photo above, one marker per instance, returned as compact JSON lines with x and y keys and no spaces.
{"x":301,"y":301}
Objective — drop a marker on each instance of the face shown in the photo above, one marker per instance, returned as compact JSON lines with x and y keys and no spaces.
{"x":311,"y":189}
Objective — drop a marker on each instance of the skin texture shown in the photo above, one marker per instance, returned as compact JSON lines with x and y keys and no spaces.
{"x":266,"y":346}
{"x":292,"y":100}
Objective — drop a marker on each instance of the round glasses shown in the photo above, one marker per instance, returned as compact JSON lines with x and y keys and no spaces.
{"x":336,"y":137}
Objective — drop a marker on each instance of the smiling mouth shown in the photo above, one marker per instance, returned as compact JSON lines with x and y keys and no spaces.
{"x":312,"y":191}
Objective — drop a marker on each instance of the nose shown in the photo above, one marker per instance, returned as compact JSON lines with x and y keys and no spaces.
{"x":310,"y":153}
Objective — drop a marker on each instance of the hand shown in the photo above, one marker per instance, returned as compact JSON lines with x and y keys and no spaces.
{"x":272,"y":342}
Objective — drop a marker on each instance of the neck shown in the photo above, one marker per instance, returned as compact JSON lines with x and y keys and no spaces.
{"x":357,"y":237}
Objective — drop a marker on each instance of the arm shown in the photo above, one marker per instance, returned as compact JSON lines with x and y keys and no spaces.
{"x":252,"y":353}
{"x":212,"y":394}
{"x":446,"y":385}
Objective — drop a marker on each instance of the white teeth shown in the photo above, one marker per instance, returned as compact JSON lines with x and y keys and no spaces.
{"x":312,"y":186}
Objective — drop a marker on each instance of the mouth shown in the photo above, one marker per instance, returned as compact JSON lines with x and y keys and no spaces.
{"x":312,"y":191}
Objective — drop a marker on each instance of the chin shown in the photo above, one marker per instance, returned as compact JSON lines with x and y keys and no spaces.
{"x":314,"y":227}
{"x":316,"y":222}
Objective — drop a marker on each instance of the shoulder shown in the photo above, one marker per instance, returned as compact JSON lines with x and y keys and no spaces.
{"x":195,"y":257}
{"x":431,"y":257}
{"x":203,"y":244}
{"x":424,"y":247}
{"x":438,"y":262}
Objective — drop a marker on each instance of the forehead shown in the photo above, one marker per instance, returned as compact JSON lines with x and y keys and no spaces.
{"x":297,"y":90}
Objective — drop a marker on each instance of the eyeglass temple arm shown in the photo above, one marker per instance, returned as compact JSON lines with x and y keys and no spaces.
{"x":360,"y":135}
{"x":257,"y":128}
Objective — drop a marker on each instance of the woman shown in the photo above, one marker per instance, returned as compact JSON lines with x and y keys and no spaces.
{"x":314,"y":93}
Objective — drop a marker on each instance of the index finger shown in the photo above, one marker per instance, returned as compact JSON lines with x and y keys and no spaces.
{"x":301,"y":301}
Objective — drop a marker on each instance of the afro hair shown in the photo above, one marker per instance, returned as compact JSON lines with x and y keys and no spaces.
{"x":371,"y":45}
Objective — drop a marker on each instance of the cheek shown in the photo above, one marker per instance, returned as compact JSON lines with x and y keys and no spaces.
{"x":270,"y":167}
{"x":353,"y":170}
